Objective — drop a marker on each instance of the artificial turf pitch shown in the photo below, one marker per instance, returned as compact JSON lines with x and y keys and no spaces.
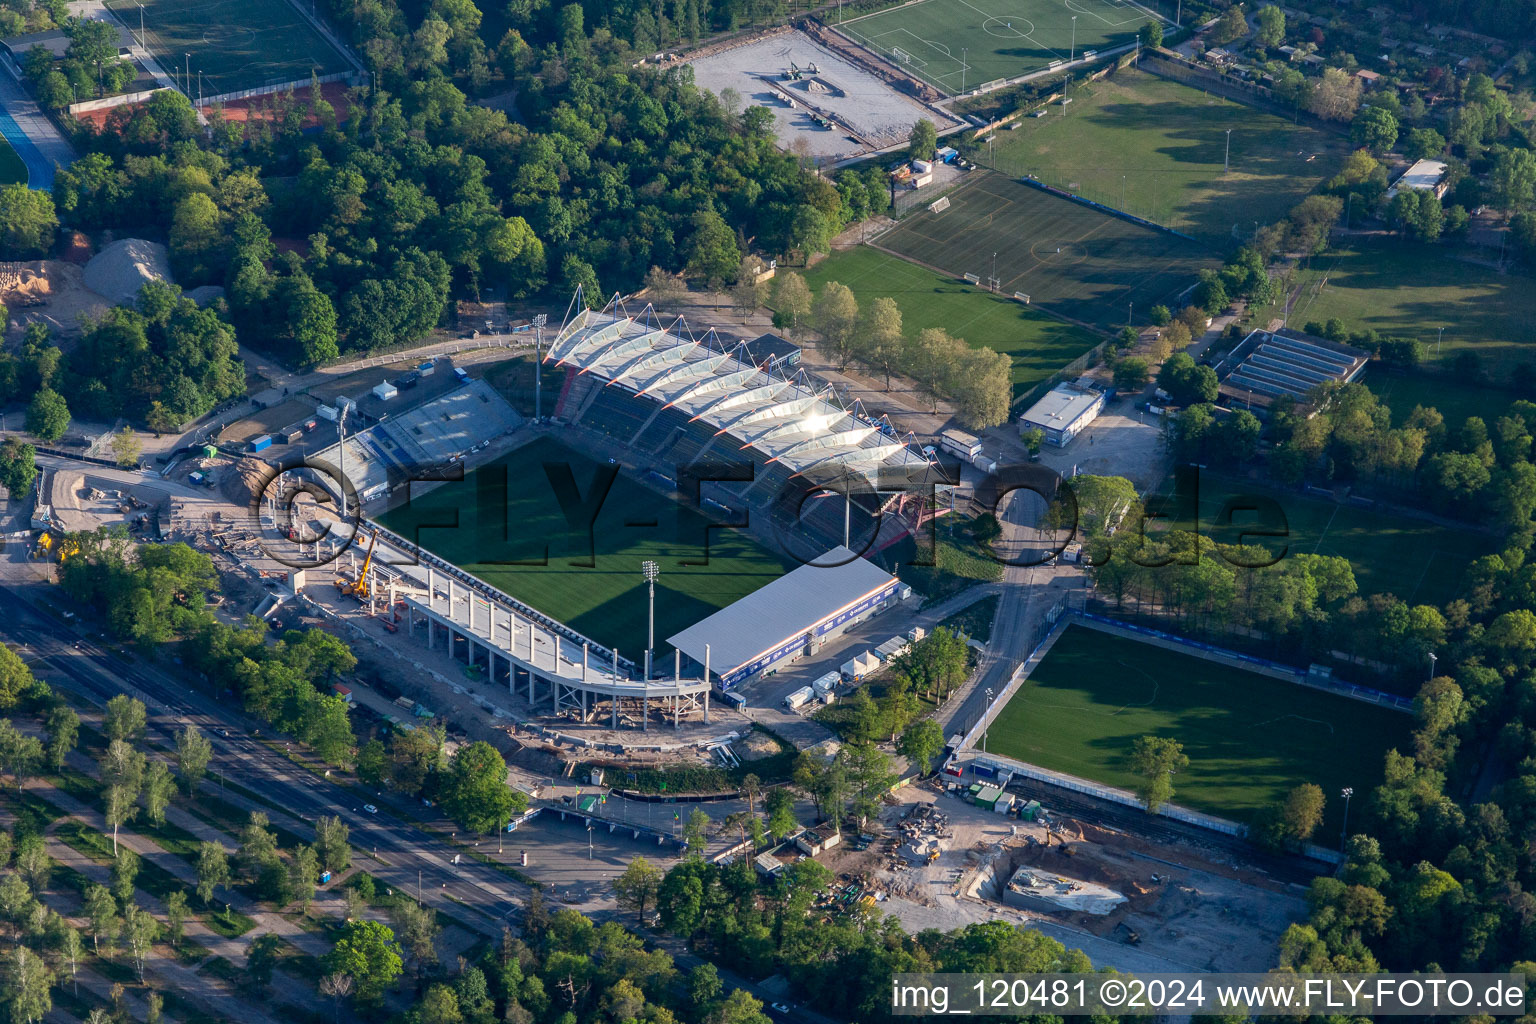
{"x":1158,"y":149}
{"x":234,"y":44}
{"x":1070,"y":259}
{"x":1249,"y":738}
{"x":12,"y":170}
{"x":960,"y":44}
{"x":1419,"y":561}
{"x":1038,"y":344}
{"x":507,"y":512}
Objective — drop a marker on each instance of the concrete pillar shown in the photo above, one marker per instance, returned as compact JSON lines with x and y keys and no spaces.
{"x":470,"y":597}
{"x":677,"y":711}
{"x":706,"y":705}
{"x":431,"y":588}
{"x":615,"y":711}
{"x":584,"y":694}
{"x":530,"y":686}
{"x":585,"y":653}
{"x":677,"y":665}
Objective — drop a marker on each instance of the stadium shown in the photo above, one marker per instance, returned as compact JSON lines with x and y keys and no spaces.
{"x":786,"y":473}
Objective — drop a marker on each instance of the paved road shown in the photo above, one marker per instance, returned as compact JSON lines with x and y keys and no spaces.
{"x":30,"y":133}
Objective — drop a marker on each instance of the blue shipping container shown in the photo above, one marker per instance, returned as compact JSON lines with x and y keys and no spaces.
{"x":262,"y":443}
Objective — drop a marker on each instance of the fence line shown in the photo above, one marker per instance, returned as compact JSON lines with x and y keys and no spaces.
{"x":106,"y":102}
{"x":267,"y":90}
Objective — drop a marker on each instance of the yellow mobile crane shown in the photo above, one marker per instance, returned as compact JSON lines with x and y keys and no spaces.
{"x":358,"y":587}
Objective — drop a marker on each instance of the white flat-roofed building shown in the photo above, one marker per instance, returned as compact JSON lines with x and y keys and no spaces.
{"x":1428,"y":175}
{"x":790,"y":617}
{"x":1063,"y":412}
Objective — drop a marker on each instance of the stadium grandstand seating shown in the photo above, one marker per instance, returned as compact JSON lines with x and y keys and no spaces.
{"x":1267,"y":365}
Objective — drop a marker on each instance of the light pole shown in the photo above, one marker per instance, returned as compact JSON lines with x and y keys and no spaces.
{"x":1348,"y":792}
{"x":142,"y":46}
{"x":1072,"y":54}
{"x":963,"y":51}
{"x":186,"y":81}
{"x":1433,"y":657}
{"x":994,"y":271}
{"x":1226,"y":159}
{"x":1438,"y":339}
{"x":341,"y":447}
{"x":589,"y":839}
{"x":986,"y":720}
{"x":650,"y":570}
{"x":539,"y":320}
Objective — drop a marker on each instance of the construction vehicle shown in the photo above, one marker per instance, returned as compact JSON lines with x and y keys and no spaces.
{"x":358,"y":587}
{"x":52,"y":545}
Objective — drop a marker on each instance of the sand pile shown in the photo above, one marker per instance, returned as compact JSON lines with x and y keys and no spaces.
{"x":122,"y":268}
{"x":205,"y":294}
{"x":50,"y":291}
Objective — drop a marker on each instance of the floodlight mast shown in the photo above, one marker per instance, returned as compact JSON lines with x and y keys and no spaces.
{"x":650,"y":570}
{"x":539,"y":320}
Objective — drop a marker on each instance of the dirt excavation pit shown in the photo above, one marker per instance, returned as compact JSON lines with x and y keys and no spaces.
{"x":51,"y":292}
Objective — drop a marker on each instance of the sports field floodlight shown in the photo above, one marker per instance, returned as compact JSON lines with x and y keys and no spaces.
{"x":650,"y":570}
{"x":1072,"y":54}
{"x":1227,"y":158}
{"x":539,"y":320}
{"x":963,"y":51}
{"x":986,"y":720}
{"x":1433,"y":657}
{"x":1346,"y":793}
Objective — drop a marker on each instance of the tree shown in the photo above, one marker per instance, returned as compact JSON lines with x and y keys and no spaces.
{"x":193,"y":752}
{"x":101,"y":910}
{"x":125,"y":869}
{"x":475,"y":792}
{"x":416,"y":927}
{"x":176,"y":914}
{"x":924,"y":141}
{"x":159,"y":787}
{"x":27,"y":223}
{"x":1424,"y":144}
{"x":792,"y":301}
{"x":365,"y":952}
{"x":1186,"y":382}
{"x":1151,"y":35}
{"x":338,"y":987}
{"x":713,"y":254}
{"x":212,"y":870}
{"x":126,"y":448}
{"x":63,"y":727}
{"x":124,"y":719}
{"x":1303,"y":811}
{"x":934,"y":360}
{"x":260,"y":960}
{"x":1374,"y":128}
{"x":139,"y":930}
{"x":1131,"y":375}
{"x":18,"y":466}
{"x":19,"y":754}
{"x":1271,"y":31}
{"x":981,"y":387}
{"x":780,"y":806}
{"x":1513,"y":177}
{"x":332,"y":845}
{"x":880,"y":339}
{"x":441,"y":1006}
{"x":302,"y":874}
{"x":47,"y":415}
{"x":1336,"y":95}
{"x":71,"y":949}
{"x":1230,"y":27}
{"x":835,"y":314}
{"x":1156,"y":760}
{"x":30,"y":986}
{"x":921,"y":743}
{"x":696,"y":832}
{"x":637,"y":887}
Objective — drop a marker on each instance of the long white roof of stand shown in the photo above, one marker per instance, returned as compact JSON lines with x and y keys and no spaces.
{"x":716,"y":382}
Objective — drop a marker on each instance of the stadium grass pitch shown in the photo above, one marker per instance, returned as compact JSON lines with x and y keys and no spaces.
{"x":1038,"y":344}
{"x":1070,"y":259}
{"x":1249,"y":738}
{"x":1155,"y":149}
{"x":506,"y":512}
{"x":234,"y":44}
{"x":1419,"y":561}
{"x":961,"y":44}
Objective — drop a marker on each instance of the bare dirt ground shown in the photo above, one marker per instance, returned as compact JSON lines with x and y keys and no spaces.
{"x":51,"y":292}
{"x":1184,"y":911}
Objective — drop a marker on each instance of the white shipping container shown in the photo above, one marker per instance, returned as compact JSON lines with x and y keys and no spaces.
{"x":921,"y":166}
{"x":327,"y":412}
{"x":798,"y":698}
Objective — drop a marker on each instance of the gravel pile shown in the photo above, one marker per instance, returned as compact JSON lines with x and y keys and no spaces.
{"x":122,"y":268}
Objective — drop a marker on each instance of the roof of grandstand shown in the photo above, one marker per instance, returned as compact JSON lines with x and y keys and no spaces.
{"x":787,"y":416}
{"x":773,"y":615}
{"x":1269,"y":364}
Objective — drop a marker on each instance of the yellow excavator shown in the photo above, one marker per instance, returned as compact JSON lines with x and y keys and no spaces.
{"x":51,"y":545}
{"x":358,"y":587}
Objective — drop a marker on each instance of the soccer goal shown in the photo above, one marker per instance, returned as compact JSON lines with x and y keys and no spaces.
{"x":939,"y":205}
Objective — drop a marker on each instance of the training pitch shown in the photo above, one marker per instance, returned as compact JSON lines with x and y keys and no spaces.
{"x":1249,"y":738}
{"x":1158,"y":149}
{"x":1072,"y":260}
{"x":12,"y":170}
{"x":1420,"y":562}
{"x":503,"y":520}
{"x":957,"y":45}
{"x":1038,"y":344}
{"x":235,"y":44}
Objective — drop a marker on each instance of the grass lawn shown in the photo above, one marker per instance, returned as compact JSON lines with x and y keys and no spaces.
{"x":960,"y":44}
{"x":1421,"y":562}
{"x":236,"y":44}
{"x":1038,"y":344}
{"x":1070,"y":259}
{"x":1455,"y":399}
{"x":1155,"y":148}
{"x":1411,"y":291}
{"x":1249,"y":738}
{"x":961,"y":562}
{"x":974,"y":621}
{"x":12,"y":170}
{"x":503,"y":524}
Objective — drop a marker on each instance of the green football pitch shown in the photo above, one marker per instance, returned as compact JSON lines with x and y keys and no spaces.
{"x":958,"y":45}
{"x":12,"y":170}
{"x":1421,"y":562}
{"x":506,"y":512}
{"x":1072,"y":260}
{"x":1158,"y":149}
{"x":1249,"y":738}
{"x":234,"y":44}
{"x":1038,"y":344}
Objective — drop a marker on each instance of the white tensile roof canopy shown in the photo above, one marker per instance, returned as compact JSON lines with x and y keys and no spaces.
{"x":790,"y":420}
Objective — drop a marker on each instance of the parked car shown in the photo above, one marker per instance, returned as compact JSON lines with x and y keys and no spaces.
{"x":370,"y":808}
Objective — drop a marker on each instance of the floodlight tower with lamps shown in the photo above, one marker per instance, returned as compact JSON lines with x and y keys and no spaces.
{"x":986,"y":720}
{"x":341,"y":447}
{"x":1072,"y":54}
{"x":963,"y":51}
{"x":650,"y":570}
{"x":1347,"y":792}
{"x":1433,"y":657}
{"x":1226,"y":158}
{"x":539,"y":320}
